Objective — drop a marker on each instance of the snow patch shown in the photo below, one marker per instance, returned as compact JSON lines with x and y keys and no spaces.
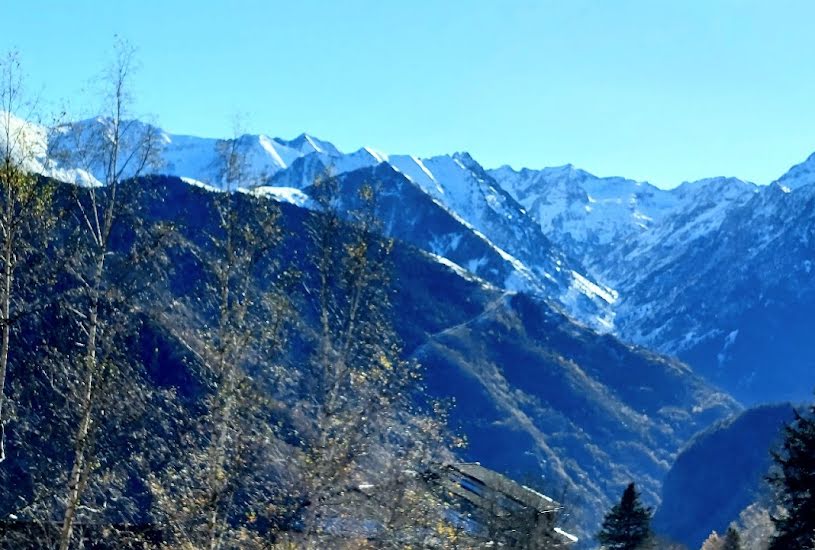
{"x":460,"y":271}
{"x":201,"y":184}
{"x":563,"y":533}
{"x":729,"y":340}
{"x":289,"y":195}
{"x":608,"y":295}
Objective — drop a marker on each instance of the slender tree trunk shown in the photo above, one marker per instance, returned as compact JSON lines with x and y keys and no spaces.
{"x":224,"y":399}
{"x":217,"y":464}
{"x":5,"y":311}
{"x":79,"y":467}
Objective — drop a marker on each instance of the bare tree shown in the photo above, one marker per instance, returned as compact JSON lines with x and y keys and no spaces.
{"x":114,"y":148}
{"x":342,"y":463}
{"x":364,"y":443}
{"x":217,"y":486}
{"x":24,"y":204}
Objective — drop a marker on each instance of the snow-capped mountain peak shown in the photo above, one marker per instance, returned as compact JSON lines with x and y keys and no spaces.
{"x":799,"y":175}
{"x":592,"y":244}
{"x":306,"y":144}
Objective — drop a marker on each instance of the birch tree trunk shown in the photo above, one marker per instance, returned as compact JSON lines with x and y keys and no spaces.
{"x":5,"y":312}
{"x":79,"y":469}
{"x":21,"y":206}
{"x":102,"y":153}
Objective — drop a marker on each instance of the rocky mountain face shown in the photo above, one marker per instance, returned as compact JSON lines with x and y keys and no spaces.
{"x":719,"y":474}
{"x":717,"y":272}
{"x":526,"y":292}
{"x":535,"y":394}
{"x":455,"y":185}
{"x":538,"y":395}
{"x":799,"y":175}
{"x":742,"y":297}
{"x":585,"y":214}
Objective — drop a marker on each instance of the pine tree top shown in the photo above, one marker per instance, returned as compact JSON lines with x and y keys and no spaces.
{"x":628,"y":525}
{"x":794,"y":482}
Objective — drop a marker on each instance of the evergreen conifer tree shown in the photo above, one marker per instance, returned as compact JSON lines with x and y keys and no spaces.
{"x":628,"y":525}
{"x":794,"y":481}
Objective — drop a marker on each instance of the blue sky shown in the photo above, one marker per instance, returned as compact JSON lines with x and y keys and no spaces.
{"x":656,"y":90}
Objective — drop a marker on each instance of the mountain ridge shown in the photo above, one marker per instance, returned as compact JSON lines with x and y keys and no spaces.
{"x":616,"y":254}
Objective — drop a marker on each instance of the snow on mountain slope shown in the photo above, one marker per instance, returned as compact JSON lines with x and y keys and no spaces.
{"x":284,"y":168}
{"x":306,"y":144}
{"x":362,"y":158}
{"x":409,"y":214}
{"x":736,"y":300}
{"x":715,"y":271}
{"x":582,"y":212}
{"x":799,"y":175}
{"x":718,"y":271}
{"x":283,"y":194}
{"x":73,"y":150}
{"x":609,"y":222}
{"x":191,"y":156}
{"x":699,"y":209}
{"x":531,"y":264}
{"x":29,"y":144}
{"x":462,"y":187}
{"x":200,"y":158}
{"x":709,"y":270}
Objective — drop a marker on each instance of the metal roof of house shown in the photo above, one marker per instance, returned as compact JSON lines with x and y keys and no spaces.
{"x":499,"y":482}
{"x":521,"y":494}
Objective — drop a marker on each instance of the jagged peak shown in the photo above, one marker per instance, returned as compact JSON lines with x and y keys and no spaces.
{"x":504,"y":168}
{"x":463,"y":156}
{"x":376,"y":155}
{"x":719,"y":182}
{"x":799,"y":175}
{"x":307,"y":144}
{"x":566,"y":171}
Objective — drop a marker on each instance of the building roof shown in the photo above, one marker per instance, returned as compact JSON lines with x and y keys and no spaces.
{"x":522,"y":494}
{"x":476,"y":480}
